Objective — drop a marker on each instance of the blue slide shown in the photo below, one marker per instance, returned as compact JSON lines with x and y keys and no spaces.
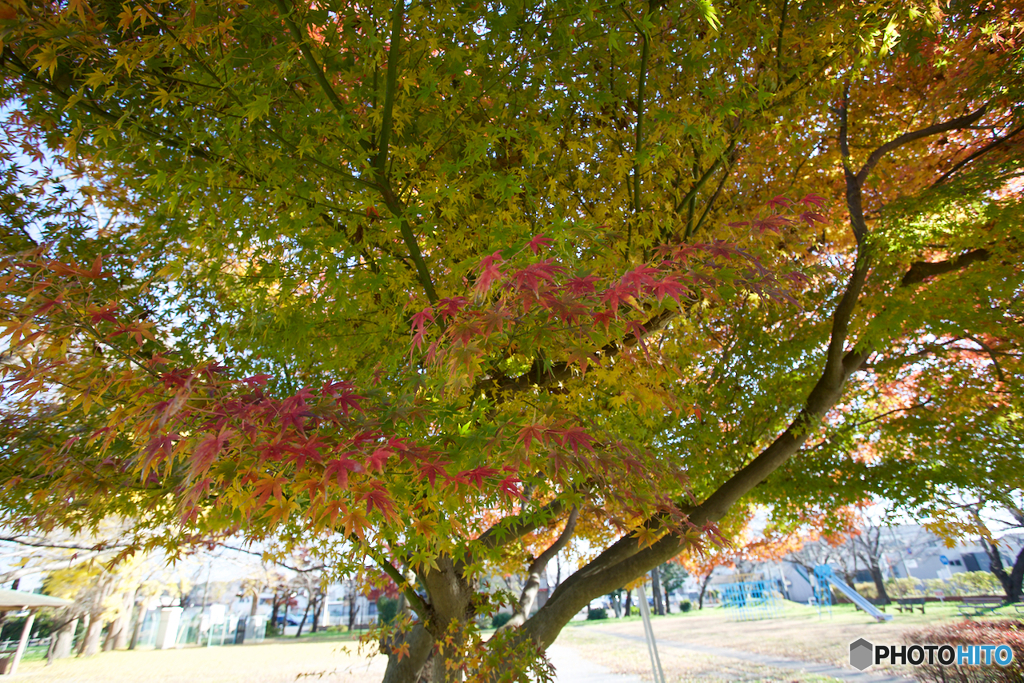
{"x":859,"y":599}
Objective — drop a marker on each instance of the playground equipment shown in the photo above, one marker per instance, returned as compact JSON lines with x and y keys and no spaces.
{"x":826,"y":579}
{"x":751,"y":599}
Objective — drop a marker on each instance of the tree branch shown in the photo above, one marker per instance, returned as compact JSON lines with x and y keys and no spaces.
{"x":624,"y":561}
{"x":508,"y":530}
{"x":561,"y":371}
{"x":979,"y":153}
{"x":922,"y":270}
{"x":529,"y":592}
{"x":953,"y":124}
{"x":307,"y":55}
{"x":390,"y":85}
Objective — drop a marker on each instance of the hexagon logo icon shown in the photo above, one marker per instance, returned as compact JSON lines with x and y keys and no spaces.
{"x":861,"y":654}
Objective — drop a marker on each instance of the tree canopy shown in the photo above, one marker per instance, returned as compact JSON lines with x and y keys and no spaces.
{"x":447,"y":285}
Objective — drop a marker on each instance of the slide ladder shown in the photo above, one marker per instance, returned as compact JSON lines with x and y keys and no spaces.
{"x":858,"y":599}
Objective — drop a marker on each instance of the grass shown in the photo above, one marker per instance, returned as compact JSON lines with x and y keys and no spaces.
{"x":799,"y":634}
{"x":334,"y":656}
{"x":282,"y":660}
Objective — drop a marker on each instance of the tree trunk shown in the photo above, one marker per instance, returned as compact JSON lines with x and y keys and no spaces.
{"x":318,"y":608}
{"x":140,"y":618}
{"x":91,"y":641}
{"x":876,"y":576}
{"x":62,"y":641}
{"x":629,"y":603}
{"x":616,"y":604}
{"x":537,"y":567}
{"x":995,"y":565}
{"x":85,"y":629}
{"x":274,"y":609}
{"x":305,"y":614}
{"x":659,"y":606}
{"x":410,"y":668}
{"x":668,"y":605}
{"x":117,"y":636}
{"x":352,"y":608}
{"x":113,"y":631}
{"x":703,"y":590}
{"x":255,"y":604}
{"x":1017,"y":578}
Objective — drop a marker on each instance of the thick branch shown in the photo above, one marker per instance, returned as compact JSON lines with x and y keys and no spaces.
{"x":922,"y":270}
{"x":397,"y":208}
{"x":621,"y":564}
{"x":953,"y":124}
{"x":529,"y":594}
{"x":979,"y":153}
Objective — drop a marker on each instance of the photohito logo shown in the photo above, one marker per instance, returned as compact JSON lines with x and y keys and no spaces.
{"x":864,"y":654}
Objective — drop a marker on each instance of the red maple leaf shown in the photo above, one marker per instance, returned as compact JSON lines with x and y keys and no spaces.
{"x":510,"y":487}
{"x":581,"y":286}
{"x":378,"y":498}
{"x":375,"y":462}
{"x":489,"y":272}
{"x":669,"y":286}
{"x":530,"y":278}
{"x":265,"y":488}
{"x":810,"y":217}
{"x":431,"y":471}
{"x":209,"y":448}
{"x":339,"y":469}
{"x":574,"y":438}
{"x":104,"y":313}
{"x":530,"y":432}
{"x":477,"y":475}
{"x":641,"y":275}
{"x":813,"y":200}
{"x":539,"y":242}
{"x":446,"y":308}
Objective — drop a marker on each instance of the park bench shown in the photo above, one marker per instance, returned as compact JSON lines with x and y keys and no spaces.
{"x":978,"y":606}
{"x":908,"y":604}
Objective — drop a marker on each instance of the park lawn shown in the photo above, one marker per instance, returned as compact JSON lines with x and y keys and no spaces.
{"x":800,"y":634}
{"x":274,"y":661}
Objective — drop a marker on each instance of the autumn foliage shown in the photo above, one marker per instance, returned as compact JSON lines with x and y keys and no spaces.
{"x":449,"y":286}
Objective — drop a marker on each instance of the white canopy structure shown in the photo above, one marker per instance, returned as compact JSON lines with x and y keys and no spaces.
{"x":19,"y":600}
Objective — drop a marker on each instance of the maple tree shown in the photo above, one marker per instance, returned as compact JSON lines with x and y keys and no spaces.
{"x":432,"y":283}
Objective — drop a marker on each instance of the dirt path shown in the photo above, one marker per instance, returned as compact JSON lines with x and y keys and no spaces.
{"x":769,"y":661}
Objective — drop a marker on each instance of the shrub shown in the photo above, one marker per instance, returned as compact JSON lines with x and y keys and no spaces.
{"x":387,"y":609}
{"x":500,"y":619}
{"x":867,"y":589}
{"x":903,"y":588}
{"x":685,"y":606}
{"x":968,"y":632}
{"x":974,"y":583}
{"x":597,"y":613}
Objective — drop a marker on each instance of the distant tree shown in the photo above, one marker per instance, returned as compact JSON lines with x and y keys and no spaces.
{"x":673,"y":577}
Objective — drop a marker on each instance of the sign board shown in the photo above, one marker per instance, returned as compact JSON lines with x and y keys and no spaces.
{"x":911,"y":564}
{"x":943,"y":559}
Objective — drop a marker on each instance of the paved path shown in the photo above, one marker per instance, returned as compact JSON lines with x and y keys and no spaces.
{"x":767,"y":660}
{"x":571,"y":668}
